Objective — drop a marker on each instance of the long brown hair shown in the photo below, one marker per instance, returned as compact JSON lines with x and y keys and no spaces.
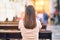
{"x":29,"y":19}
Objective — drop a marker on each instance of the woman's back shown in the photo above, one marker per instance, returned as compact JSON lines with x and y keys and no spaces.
{"x":29,"y":34}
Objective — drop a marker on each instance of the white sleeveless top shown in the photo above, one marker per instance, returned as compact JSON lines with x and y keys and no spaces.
{"x":29,"y":34}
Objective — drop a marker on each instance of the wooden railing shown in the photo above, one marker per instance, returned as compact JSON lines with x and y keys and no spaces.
{"x":9,"y":25}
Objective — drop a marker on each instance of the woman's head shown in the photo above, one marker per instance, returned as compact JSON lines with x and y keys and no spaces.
{"x":29,"y":19}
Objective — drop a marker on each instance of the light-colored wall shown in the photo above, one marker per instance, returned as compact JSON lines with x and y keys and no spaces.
{"x":11,"y":9}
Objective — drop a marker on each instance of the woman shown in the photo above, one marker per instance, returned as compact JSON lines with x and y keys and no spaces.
{"x":29,"y":26}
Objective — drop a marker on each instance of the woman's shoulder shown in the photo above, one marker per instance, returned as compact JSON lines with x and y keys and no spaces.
{"x":21,"y":22}
{"x":38,"y":21}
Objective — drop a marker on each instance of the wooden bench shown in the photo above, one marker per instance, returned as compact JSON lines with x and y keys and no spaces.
{"x":15,"y":34}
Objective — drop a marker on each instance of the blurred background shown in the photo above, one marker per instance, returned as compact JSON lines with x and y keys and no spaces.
{"x":15,"y":8}
{"x":48,"y":12}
